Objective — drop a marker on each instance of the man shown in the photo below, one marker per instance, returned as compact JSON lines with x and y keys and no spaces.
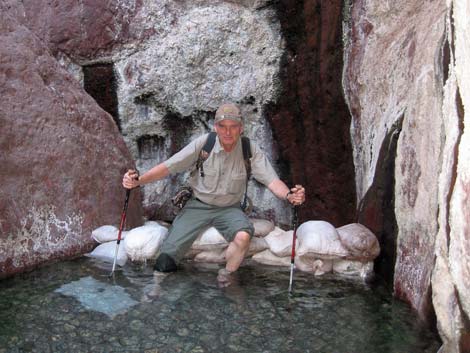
{"x":216,"y":194}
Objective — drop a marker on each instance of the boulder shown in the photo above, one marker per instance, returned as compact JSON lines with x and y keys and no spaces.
{"x":62,"y":157}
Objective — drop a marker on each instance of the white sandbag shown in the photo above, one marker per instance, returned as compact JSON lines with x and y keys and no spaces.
{"x":105,"y":252}
{"x":354,"y":268}
{"x":361,"y":243}
{"x":216,"y":256}
{"x":262,"y":226}
{"x":316,"y":266}
{"x":142,"y":243}
{"x":320,"y":240}
{"x":106,"y":233}
{"x":210,"y":239}
{"x":266,"y":257}
{"x":280,"y":242}
{"x":256,"y":245}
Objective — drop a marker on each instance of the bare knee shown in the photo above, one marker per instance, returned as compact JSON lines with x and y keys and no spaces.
{"x":242,"y":239}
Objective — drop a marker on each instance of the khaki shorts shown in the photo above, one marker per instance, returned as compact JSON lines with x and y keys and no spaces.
{"x":197,"y":216}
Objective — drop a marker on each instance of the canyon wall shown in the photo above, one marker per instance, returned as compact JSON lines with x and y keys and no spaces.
{"x":62,"y":157}
{"x":91,"y":88}
{"x":406,"y":81}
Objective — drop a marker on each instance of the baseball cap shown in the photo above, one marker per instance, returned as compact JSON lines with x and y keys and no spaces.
{"x":228,"y":111}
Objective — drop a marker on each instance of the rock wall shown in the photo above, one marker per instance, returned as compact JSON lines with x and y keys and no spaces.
{"x":310,"y":119}
{"x":62,"y":157}
{"x":406,"y":81}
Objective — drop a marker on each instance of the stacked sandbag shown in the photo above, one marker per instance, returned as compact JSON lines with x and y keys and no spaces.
{"x":105,"y":252}
{"x":361,"y":243}
{"x":363,"y":248}
{"x":320,"y":247}
{"x":209,"y":239}
{"x":348,"y":250}
{"x":107,"y":236}
{"x":266,"y":257}
{"x":257,"y":245}
{"x":106,"y":233}
{"x":280,"y":248}
{"x":209,"y":247}
{"x":216,"y":256}
{"x":142,"y":243}
{"x":262,"y":227}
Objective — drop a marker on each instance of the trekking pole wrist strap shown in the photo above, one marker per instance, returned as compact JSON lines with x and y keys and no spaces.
{"x":287,"y":195}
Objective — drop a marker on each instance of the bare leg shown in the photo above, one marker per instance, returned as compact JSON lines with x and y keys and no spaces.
{"x":236,"y":251}
{"x":235,"y":254}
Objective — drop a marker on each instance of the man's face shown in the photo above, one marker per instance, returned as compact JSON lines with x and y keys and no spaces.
{"x":228,"y":131}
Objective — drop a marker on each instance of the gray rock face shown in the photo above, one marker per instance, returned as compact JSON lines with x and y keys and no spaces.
{"x":62,"y":158}
{"x":169,"y":91}
{"x":408,"y":116}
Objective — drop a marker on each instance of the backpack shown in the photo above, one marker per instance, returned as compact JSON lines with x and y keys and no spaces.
{"x":185,"y":193}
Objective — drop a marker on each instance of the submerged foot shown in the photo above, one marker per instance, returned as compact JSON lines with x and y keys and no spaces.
{"x":155,"y":289}
{"x":225,"y":278}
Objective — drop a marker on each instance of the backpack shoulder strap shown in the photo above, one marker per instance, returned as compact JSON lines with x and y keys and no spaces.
{"x":210,"y":142}
{"x":247,"y":155}
{"x":205,"y":151}
{"x":246,"y":146}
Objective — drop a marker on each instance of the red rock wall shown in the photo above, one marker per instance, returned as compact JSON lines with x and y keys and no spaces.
{"x":310,"y":120}
{"x":83,"y":30}
{"x":62,"y":157}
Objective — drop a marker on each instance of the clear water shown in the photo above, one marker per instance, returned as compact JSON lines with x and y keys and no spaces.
{"x":76,"y":307}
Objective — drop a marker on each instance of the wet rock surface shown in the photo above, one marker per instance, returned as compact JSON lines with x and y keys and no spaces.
{"x":187,"y":312}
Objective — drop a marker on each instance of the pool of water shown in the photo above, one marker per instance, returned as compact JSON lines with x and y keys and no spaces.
{"x":76,"y":307}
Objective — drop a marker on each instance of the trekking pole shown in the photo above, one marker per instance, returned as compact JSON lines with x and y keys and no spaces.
{"x":121,"y":226}
{"x":292,"y":257}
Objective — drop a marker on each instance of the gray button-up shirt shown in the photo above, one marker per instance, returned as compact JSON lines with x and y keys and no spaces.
{"x":225,"y":176}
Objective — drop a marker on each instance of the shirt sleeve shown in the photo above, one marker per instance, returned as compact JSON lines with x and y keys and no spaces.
{"x":186,"y":157}
{"x":261,"y":168}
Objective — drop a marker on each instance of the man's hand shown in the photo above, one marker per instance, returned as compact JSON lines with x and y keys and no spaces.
{"x":130,"y":180}
{"x":296,"y":195}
